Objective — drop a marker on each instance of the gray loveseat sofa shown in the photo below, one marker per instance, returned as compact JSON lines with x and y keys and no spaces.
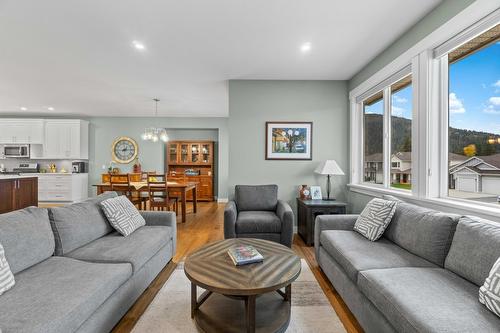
{"x":73,"y":272}
{"x":423,"y":275}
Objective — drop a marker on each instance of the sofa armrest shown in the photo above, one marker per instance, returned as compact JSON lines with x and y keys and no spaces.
{"x":230,"y":215}
{"x":285,"y":214}
{"x":332,"y":222}
{"x":167,"y":219}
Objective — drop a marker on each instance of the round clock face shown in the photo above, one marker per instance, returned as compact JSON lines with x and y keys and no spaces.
{"x":124,"y":150}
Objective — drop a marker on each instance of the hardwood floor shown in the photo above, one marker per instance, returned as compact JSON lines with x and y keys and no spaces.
{"x":207,"y":226}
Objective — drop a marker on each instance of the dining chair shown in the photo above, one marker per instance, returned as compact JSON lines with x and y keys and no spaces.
{"x":146,"y":174}
{"x":135,"y":195}
{"x":158,"y":194}
{"x":121,"y":185}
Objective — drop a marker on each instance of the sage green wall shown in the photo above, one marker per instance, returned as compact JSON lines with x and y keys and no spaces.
{"x":252,"y":103}
{"x":437,"y":17}
{"x":104,"y":130}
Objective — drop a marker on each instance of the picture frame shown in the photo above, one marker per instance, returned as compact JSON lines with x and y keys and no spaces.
{"x":316,"y":193}
{"x":289,"y":140}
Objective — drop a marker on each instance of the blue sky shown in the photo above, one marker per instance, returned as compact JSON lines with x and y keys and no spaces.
{"x":475,"y":91}
{"x":401,"y":104}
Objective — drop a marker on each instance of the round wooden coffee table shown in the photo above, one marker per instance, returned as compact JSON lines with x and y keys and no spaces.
{"x":242,"y":298}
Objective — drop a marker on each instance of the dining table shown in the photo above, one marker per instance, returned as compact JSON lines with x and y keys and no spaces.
{"x":174,"y":188}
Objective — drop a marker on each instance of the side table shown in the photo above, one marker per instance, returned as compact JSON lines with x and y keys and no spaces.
{"x":307,"y":210}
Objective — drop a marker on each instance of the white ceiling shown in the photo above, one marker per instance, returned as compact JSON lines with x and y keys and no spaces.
{"x":77,"y":56}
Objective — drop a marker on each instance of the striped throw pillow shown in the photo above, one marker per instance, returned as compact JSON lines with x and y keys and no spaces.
{"x":122,"y":215}
{"x":375,"y":218}
{"x":489,"y":293}
{"x":6,"y":277}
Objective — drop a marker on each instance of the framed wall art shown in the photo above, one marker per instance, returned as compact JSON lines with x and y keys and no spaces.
{"x":287,"y":140}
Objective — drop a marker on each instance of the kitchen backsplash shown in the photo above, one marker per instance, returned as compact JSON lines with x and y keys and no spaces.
{"x":12,"y":163}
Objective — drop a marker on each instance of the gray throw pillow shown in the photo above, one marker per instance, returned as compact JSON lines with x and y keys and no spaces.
{"x":489,"y":293}
{"x":375,"y":218}
{"x":122,"y":215}
{"x":6,"y":277}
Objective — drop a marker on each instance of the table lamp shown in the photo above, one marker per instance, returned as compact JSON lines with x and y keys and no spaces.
{"x":329,"y":168}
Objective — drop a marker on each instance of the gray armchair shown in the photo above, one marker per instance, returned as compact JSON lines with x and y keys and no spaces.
{"x":256,"y":212}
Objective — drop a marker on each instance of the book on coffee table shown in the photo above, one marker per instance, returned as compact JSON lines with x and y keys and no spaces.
{"x":244,"y":254}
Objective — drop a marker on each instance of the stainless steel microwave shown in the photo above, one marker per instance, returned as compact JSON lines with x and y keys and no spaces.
{"x":20,"y":151}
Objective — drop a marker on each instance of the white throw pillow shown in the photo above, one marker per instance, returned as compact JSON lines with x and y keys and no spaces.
{"x":489,"y":293}
{"x":122,"y":215}
{"x":6,"y":277}
{"x":375,"y":218}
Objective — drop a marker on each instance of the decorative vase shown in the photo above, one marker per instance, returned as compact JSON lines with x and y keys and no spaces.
{"x":304,"y":192}
{"x":137,"y":167}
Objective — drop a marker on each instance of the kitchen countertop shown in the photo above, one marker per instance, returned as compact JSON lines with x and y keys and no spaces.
{"x":18,"y":176}
{"x":49,"y":173}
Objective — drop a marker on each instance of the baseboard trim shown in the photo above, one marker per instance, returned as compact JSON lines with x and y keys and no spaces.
{"x":222,"y":200}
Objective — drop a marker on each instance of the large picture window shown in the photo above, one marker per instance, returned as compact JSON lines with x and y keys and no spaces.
{"x":474,"y":119}
{"x":431,"y":129}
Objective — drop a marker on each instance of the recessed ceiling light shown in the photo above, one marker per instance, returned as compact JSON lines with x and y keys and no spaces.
{"x":23,"y":108}
{"x":306,"y":47}
{"x":138,"y":45}
{"x":50,"y":108}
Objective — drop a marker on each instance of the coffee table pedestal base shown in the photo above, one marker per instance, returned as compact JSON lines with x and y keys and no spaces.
{"x":220,"y":313}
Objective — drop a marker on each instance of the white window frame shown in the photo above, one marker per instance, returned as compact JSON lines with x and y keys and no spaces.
{"x":429,"y":66}
{"x":385,"y":87}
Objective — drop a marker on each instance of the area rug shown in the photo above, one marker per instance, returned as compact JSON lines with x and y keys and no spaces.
{"x":170,"y":311}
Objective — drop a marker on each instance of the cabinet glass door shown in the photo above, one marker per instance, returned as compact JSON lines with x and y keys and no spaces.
{"x":205,"y":153}
{"x":172,"y":153}
{"x":195,"y":153}
{"x":184,"y":153}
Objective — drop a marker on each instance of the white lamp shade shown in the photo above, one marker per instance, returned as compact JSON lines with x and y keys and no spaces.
{"x":329,"y":167}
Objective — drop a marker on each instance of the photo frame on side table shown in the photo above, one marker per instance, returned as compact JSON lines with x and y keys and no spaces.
{"x":288,"y":140}
{"x":316,"y":193}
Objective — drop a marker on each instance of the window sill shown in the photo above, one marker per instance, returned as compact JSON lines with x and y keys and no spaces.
{"x":442,"y":204}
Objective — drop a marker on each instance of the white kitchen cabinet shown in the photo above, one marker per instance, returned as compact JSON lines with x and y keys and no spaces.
{"x":26,"y":131}
{"x":66,"y":139}
{"x":62,"y":187}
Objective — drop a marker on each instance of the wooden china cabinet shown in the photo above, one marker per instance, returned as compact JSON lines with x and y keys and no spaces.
{"x":192,"y":161}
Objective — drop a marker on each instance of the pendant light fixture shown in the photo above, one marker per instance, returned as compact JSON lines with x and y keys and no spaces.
{"x":155,"y":134}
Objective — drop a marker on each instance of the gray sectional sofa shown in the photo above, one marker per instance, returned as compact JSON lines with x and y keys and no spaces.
{"x":423,"y":275}
{"x":73,"y":272}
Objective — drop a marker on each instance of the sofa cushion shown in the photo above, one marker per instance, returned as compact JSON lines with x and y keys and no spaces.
{"x":424,"y":232}
{"x":474,"y":250}
{"x":26,"y":237}
{"x":489,"y":293}
{"x":257,"y":222}
{"x":7,"y":280}
{"x":355,"y":253}
{"x":256,"y":197}
{"x":427,"y":300}
{"x":136,"y":249}
{"x":375,"y":218}
{"x":122,"y":215}
{"x":80,"y":223}
{"x":59,"y":294}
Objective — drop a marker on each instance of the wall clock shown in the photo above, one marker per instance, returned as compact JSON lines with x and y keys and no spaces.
{"x":124,"y":150}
